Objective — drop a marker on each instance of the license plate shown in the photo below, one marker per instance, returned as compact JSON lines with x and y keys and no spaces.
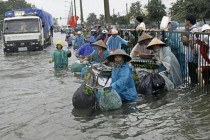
{"x":22,"y":49}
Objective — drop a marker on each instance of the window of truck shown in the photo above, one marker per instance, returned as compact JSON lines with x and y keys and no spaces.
{"x":21,"y":26}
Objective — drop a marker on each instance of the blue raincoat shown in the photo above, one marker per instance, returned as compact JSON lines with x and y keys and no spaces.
{"x":85,"y":50}
{"x":60,"y":58}
{"x":174,"y":42}
{"x":123,"y":82}
{"x":114,"y":43}
{"x":79,"y":41}
{"x":95,"y":57}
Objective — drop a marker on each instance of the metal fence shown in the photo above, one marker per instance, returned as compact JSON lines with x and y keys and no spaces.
{"x":193,"y":56}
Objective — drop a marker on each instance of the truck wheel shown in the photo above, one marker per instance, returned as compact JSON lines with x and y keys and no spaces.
{"x":41,"y":48}
{"x":5,"y":51}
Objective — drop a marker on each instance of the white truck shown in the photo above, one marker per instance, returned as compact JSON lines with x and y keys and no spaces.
{"x":27,"y":30}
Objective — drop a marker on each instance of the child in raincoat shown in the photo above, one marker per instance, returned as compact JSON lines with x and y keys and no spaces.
{"x":122,"y":81}
{"x":60,"y":56}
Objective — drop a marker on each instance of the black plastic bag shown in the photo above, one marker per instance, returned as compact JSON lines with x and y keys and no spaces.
{"x":145,"y":85}
{"x":83,"y":100}
{"x":68,"y":53}
{"x":157,"y":82}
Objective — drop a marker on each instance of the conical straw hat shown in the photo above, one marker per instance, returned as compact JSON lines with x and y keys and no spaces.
{"x":155,"y":41}
{"x":144,"y":36}
{"x":119,"y":52}
{"x":100,"y":43}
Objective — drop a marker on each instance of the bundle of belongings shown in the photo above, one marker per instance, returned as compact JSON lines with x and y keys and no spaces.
{"x":96,"y":91}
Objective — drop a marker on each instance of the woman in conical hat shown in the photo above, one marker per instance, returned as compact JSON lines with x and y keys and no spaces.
{"x":166,"y":60}
{"x":100,"y":54}
{"x":140,"y":48}
{"x":122,"y":80}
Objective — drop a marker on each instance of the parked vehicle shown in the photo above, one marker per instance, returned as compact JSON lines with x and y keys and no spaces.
{"x":27,"y":30}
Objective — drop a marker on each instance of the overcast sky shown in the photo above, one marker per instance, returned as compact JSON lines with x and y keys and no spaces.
{"x":59,"y":8}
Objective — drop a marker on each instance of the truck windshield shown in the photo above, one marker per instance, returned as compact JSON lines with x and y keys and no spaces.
{"x":21,"y":26}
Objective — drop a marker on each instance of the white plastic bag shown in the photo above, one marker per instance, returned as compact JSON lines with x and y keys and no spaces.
{"x":164,"y":22}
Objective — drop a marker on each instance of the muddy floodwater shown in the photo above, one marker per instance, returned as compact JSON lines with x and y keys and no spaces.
{"x":36,"y":104}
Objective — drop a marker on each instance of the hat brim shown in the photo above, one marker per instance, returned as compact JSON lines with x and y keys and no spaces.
{"x":126,"y":58}
{"x":151,"y":47}
{"x":139,"y":41}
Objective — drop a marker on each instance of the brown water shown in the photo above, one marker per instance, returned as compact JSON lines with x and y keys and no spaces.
{"x":36,"y":104}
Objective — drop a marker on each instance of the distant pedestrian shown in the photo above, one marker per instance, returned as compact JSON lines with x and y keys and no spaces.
{"x":192,"y":51}
{"x":79,"y":41}
{"x":115,"y":41}
{"x":140,"y":24}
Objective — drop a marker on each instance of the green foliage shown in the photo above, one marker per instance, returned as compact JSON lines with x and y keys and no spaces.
{"x":101,"y":20}
{"x":156,"y":10}
{"x":114,"y":19}
{"x":135,"y":10}
{"x":122,"y":20}
{"x":182,"y":7}
{"x":145,"y":65}
{"x":178,"y":11}
{"x":88,"y":90}
{"x":135,"y":77}
{"x":92,"y":18}
{"x":11,"y":5}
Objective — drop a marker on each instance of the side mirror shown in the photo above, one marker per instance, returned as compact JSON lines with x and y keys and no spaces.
{"x":42,"y":25}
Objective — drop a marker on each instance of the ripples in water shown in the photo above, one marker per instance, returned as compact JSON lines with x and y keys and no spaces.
{"x":36,"y":103}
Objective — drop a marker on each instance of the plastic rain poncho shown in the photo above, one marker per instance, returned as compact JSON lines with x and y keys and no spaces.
{"x":167,"y":59}
{"x":123,"y":84}
{"x":114,"y":43}
{"x":60,"y":59}
{"x":85,"y":50}
{"x":95,"y":58}
{"x":79,"y":41}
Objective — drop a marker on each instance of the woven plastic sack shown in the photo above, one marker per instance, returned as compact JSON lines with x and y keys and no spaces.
{"x":108,"y":99}
{"x":77,"y":67}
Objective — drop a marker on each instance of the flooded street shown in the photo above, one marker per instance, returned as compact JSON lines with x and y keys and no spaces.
{"x":36,"y":104}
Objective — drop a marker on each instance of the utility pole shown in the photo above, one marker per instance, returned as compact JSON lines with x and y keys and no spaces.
{"x":107,"y":12}
{"x":81,"y":11}
{"x":75,"y":12}
{"x":126,"y":9}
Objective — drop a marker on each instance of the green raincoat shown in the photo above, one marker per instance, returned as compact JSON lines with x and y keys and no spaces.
{"x":60,"y":58}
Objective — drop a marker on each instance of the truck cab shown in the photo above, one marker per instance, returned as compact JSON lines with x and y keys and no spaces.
{"x":25,"y":33}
